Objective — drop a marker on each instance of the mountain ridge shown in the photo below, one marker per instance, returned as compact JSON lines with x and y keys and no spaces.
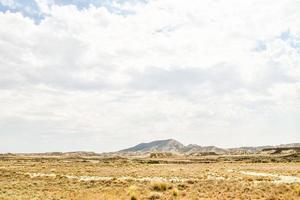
{"x":156,"y":145}
{"x":172,"y":145}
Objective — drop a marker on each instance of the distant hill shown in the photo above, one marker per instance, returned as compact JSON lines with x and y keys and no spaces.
{"x":171,"y":145}
{"x":240,"y":150}
{"x":289,"y":145}
{"x":194,"y":148}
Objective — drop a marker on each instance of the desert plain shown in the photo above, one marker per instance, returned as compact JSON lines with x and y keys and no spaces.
{"x":268,"y":177}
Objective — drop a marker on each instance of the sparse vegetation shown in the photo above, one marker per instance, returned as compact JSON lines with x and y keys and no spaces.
{"x":298,"y":190}
{"x":135,"y":179}
{"x":133,"y":197}
{"x":175,"y":192}
{"x":132,"y":192}
{"x":154,"y":195}
{"x":159,"y":186}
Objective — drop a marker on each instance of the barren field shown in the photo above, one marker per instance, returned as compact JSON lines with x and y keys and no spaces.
{"x":122,"y":178}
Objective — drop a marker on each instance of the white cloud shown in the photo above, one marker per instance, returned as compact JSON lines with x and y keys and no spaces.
{"x":207,"y":72}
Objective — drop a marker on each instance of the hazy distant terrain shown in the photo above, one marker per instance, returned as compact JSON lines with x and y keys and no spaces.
{"x":172,"y":145}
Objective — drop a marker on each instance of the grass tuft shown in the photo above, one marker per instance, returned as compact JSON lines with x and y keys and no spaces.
{"x":132,"y":192}
{"x":154,"y":196}
{"x":159,"y":186}
{"x":175,"y":192}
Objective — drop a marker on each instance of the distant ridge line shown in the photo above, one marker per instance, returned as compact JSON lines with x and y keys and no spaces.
{"x":171,"y":145}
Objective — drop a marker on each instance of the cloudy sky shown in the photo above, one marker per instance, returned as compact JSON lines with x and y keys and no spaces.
{"x":102,"y":75}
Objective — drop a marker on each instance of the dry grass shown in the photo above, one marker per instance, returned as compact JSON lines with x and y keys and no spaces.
{"x":159,"y":186}
{"x":175,"y":192}
{"x":154,"y":195}
{"x":132,"y":192}
{"x":124,"y":180}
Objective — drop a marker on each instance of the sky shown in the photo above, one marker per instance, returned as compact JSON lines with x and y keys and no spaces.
{"x":103,"y":75}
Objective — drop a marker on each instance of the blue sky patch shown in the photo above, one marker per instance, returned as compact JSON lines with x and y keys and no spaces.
{"x":285,"y":35}
{"x":29,"y":8}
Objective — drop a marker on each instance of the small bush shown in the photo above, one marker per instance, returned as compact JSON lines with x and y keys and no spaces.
{"x":190,"y":181}
{"x":182,"y":186}
{"x":298,"y":190}
{"x":133,"y":197}
{"x":154,"y":196}
{"x":175,"y":192}
{"x":132,"y":192}
{"x":159,"y":186}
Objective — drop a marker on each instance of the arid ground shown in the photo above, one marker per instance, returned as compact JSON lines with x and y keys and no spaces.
{"x":127,"y":178}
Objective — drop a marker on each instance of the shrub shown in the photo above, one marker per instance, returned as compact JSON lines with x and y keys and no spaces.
{"x":298,"y":190}
{"x":154,"y":196}
{"x":159,"y":186}
{"x":190,"y":181}
{"x":132,"y":193}
{"x":182,"y":186}
{"x":133,"y":197}
{"x":175,"y":192}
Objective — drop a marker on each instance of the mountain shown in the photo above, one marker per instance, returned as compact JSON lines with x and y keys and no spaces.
{"x":169,"y":145}
{"x":172,"y":145}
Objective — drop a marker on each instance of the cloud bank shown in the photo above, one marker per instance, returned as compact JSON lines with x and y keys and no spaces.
{"x":103,"y":75}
